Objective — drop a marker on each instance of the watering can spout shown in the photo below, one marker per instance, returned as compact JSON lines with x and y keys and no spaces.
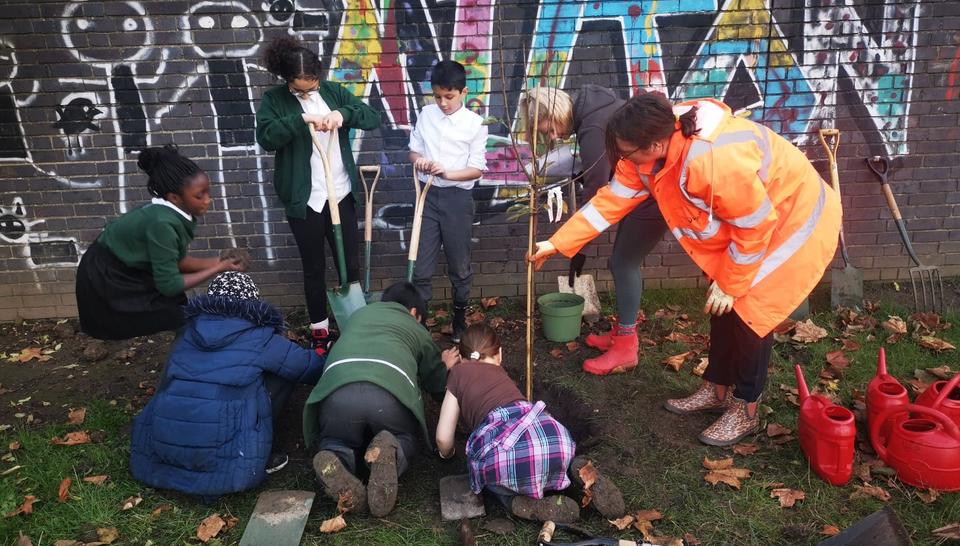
{"x":882,"y":363}
{"x":801,"y":384}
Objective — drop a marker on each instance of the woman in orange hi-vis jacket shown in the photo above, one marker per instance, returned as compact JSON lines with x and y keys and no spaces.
{"x":749,"y":209}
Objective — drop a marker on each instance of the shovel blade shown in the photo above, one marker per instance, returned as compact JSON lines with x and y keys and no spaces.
{"x":586,"y":288}
{"x":344,"y":301}
{"x":881,"y":528}
{"x":457,"y":501}
{"x":278,"y":518}
{"x":846,"y":287}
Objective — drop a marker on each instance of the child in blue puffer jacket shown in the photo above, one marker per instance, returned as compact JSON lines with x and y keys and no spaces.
{"x":208,"y":430}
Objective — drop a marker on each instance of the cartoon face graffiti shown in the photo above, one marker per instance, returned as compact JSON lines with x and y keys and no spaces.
{"x":85,"y":39}
{"x":205,"y":22}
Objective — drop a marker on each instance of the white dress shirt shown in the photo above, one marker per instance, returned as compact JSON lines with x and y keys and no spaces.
{"x":313,"y":103}
{"x":456,"y":141}
{"x":164,"y":202}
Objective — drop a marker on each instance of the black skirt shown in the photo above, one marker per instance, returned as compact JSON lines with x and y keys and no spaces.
{"x":116,"y":301}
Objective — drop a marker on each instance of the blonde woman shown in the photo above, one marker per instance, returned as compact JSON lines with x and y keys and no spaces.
{"x":585,"y":114}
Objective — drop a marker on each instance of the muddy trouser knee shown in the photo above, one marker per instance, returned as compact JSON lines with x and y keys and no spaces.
{"x":637,"y":234}
{"x":353,"y":414}
{"x":448,"y":221}
{"x":738,"y":356}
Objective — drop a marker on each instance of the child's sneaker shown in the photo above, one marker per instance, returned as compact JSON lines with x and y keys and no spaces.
{"x":459,"y":321}
{"x":606,"y":496}
{"x":321,"y":340}
{"x":339,"y":484}
{"x":557,"y":508}
{"x":276,"y":462}
{"x":381,"y":455}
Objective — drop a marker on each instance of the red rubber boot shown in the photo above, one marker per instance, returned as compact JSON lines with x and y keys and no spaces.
{"x":603,"y":342}
{"x":620,"y":357}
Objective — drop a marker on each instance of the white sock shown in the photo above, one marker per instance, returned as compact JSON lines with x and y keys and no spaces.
{"x":322,"y":325}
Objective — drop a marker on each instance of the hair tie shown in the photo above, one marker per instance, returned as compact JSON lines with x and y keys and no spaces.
{"x":475,"y":355}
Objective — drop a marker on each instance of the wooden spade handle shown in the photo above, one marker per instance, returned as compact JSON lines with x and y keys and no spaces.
{"x":328,"y":176}
{"x":418,"y":219}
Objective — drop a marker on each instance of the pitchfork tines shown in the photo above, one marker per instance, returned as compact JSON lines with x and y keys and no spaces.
{"x":931,"y":288}
{"x":930,"y":296}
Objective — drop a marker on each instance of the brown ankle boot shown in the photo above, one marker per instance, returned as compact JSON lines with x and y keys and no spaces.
{"x":734,"y":425}
{"x":704,"y":399}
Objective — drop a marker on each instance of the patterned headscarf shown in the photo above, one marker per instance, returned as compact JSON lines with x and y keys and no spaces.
{"x":234,"y":284}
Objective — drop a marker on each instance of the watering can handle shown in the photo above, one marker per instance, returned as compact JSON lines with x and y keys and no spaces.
{"x":947,"y":389}
{"x":936,"y":415}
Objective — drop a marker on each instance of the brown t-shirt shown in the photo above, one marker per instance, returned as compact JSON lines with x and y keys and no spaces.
{"x":480,"y":387}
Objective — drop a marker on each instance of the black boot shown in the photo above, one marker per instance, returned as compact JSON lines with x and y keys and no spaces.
{"x":459,"y":321}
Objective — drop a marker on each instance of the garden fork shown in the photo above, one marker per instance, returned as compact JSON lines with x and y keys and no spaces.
{"x":931,"y":284}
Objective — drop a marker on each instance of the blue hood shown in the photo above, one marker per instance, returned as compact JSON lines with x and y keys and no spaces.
{"x":215,"y":322}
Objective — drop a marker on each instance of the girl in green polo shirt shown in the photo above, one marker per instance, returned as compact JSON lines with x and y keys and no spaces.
{"x":131,"y":280}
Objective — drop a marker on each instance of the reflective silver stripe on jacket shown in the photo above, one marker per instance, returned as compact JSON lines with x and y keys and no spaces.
{"x":793,"y":243}
{"x":621,"y":190}
{"x":597,"y":221}
{"x":754,"y":218}
{"x":378,"y":361}
{"x":743,"y":259}
{"x":713,"y":226}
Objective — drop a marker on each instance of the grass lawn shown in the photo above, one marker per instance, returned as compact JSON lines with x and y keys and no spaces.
{"x":617,"y":421}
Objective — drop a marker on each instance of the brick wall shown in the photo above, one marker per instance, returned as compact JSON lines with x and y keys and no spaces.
{"x":85,"y":84}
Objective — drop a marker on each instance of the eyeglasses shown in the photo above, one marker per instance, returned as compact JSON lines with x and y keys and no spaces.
{"x":623,"y":155}
{"x":303,"y":93}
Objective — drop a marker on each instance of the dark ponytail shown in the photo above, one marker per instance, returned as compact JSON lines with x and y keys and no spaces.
{"x":167,"y":170}
{"x":286,"y":58}
{"x":645,"y":119}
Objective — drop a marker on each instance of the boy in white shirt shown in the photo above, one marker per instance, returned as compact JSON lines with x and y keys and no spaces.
{"x":449,"y":142}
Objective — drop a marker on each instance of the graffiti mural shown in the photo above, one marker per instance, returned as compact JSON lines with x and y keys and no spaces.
{"x":191,"y":74}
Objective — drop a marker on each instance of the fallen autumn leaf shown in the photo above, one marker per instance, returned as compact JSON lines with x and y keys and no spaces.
{"x":72,"y":439}
{"x":588,"y":475}
{"x":64,"y":489}
{"x":867,"y":490}
{"x":788,"y":497}
{"x":25,"y":508}
{"x":76,"y":416}
{"x":808,"y":332}
{"x":96,"y":480}
{"x":333,"y":525}
{"x":210,"y":527}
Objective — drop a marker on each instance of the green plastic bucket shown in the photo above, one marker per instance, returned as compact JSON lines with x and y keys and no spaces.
{"x":561,"y":315}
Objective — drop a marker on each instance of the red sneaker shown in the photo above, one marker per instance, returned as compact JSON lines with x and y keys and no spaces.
{"x":321,"y":340}
{"x":620,"y":357}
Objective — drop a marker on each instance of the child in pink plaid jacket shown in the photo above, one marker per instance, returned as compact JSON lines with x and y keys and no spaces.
{"x":517,"y":451}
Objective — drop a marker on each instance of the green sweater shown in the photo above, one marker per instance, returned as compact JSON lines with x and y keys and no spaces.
{"x":152,"y":237}
{"x":384,"y":345}
{"x":280,"y":129}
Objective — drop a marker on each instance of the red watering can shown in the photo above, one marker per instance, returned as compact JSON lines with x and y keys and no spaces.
{"x":924,"y":450}
{"x":827,"y":434}
{"x":884,"y":392}
{"x":944,"y":396}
